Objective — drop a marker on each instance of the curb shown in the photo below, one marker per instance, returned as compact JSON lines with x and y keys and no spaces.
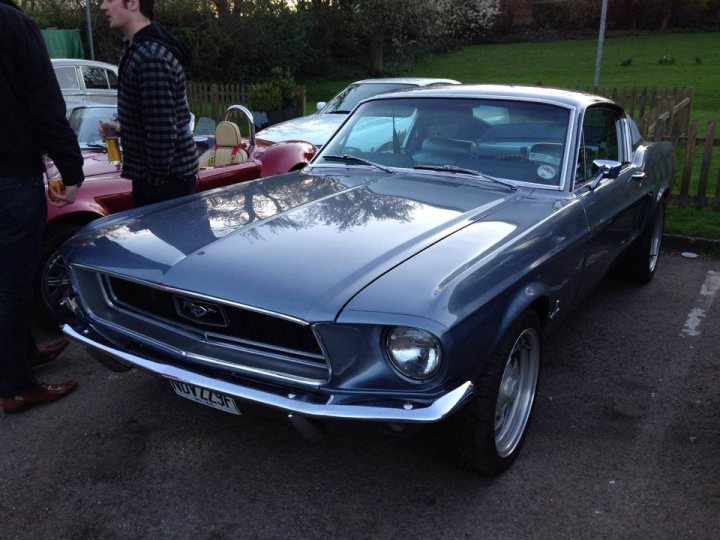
{"x":691,"y":243}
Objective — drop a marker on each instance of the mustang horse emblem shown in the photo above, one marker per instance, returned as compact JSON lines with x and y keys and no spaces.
{"x":201,"y":312}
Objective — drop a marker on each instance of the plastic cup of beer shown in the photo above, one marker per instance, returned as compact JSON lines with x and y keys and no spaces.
{"x":112,"y":143}
{"x":56,"y":188}
{"x":113,"y":150}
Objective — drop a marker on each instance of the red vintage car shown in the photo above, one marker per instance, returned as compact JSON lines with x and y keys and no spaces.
{"x":230,"y":158}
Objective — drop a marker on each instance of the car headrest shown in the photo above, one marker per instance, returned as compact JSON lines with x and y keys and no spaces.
{"x":227,"y":134}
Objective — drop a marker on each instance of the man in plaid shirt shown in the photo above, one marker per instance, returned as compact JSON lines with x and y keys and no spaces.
{"x":159,"y":153}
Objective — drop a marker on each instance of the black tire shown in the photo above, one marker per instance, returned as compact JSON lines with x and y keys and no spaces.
{"x":640,"y":261}
{"x":474,"y":443}
{"x":51,"y":282}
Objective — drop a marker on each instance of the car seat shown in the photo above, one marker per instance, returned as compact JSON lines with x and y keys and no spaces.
{"x":228,"y":148}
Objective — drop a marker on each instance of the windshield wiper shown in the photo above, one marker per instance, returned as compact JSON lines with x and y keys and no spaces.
{"x":473,"y":172}
{"x":347,"y":158}
{"x":338,"y":111}
{"x":95,"y":145}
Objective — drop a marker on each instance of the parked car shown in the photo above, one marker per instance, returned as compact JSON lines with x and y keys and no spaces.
{"x":317,"y":128}
{"x":406,"y":278}
{"x":86,"y":80}
{"x":231,"y":159}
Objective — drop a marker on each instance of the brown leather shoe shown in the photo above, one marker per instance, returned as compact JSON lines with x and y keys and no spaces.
{"x":49,"y":352}
{"x":37,"y":395}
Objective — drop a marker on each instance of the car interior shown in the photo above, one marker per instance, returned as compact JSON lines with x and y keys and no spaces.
{"x":524,"y":142}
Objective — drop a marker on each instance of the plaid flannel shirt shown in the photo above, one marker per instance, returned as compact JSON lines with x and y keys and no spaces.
{"x":154,"y":114}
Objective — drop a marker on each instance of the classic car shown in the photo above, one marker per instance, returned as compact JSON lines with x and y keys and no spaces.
{"x":86,"y":80}
{"x":231,"y":159}
{"x":406,"y":278}
{"x":317,"y":128}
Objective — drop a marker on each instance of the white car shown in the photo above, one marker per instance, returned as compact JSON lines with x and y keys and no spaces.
{"x":86,"y":80}
{"x":317,"y":128}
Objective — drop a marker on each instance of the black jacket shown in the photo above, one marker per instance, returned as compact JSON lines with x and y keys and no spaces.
{"x":32,"y":107}
{"x":153,"y":109}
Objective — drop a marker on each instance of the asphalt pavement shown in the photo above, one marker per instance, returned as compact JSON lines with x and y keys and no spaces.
{"x":624,"y":443}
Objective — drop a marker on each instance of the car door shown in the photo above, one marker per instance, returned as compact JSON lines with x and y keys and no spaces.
{"x":614,"y":208}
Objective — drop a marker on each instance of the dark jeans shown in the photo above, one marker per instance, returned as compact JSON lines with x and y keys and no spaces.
{"x":175,"y":186}
{"x":23,"y":212}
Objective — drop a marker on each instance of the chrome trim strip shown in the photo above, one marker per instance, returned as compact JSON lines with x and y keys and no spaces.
{"x":404,"y":412}
{"x":200,"y":296}
{"x":257,"y":371}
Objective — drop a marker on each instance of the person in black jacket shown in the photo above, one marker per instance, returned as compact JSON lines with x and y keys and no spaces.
{"x":159,"y":153}
{"x":33,"y":123}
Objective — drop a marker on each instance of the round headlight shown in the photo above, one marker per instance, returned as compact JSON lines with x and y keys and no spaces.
{"x":415,"y":353}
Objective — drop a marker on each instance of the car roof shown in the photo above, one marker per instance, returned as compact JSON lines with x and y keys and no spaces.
{"x":560,"y":96}
{"x":417,"y":81}
{"x":82,"y":62}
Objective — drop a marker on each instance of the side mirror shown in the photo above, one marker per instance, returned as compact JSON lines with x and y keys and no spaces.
{"x":638,"y":162}
{"x":320,"y":104}
{"x":607,"y":168}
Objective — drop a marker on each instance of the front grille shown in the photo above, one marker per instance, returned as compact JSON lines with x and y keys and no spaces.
{"x":208,"y":317}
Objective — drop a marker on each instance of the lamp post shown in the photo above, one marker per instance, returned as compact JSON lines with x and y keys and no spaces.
{"x":601,"y":39}
{"x":89,"y":29}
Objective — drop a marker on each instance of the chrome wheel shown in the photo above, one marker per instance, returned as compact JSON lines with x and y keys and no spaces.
{"x":656,"y":238}
{"x":517,"y":392}
{"x":54,"y":281}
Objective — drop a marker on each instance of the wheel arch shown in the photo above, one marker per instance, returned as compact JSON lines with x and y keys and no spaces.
{"x":531,"y":296}
{"x":77,"y":218}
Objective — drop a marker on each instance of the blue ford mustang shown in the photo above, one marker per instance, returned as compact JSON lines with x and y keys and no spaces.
{"x":408,"y":275}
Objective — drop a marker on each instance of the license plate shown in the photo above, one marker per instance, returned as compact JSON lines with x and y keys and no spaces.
{"x":213,"y":399}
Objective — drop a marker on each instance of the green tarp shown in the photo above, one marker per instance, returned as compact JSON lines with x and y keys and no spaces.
{"x":64,"y":43}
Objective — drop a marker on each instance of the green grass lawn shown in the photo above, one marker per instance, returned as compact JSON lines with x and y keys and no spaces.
{"x":572,"y":63}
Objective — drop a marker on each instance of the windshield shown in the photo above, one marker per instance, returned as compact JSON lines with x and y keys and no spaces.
{"x":346,"y":100}
{"x":84,"y":122}
{"x":514,"y":140}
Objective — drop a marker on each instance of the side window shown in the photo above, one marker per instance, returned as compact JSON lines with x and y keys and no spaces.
{"x":602,"y":138}
{"x":94,"y":78}
{"x":112,"y":79}
{"x":67,"y":78}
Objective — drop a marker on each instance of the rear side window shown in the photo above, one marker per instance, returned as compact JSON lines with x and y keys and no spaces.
{"x":112,"y":79}
{"x":67,"y":78}
{"x":94,"y":78}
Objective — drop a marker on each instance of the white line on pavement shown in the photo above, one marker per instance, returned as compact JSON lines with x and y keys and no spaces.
{"x":702,"y":304}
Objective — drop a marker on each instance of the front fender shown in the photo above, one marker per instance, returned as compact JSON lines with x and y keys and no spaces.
{"x":284,"y":157}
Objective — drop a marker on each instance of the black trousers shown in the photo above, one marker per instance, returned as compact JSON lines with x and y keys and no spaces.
{"x":145,"y":192}
{"x":23,"y":211}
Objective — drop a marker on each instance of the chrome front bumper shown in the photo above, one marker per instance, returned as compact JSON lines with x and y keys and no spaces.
{"x":405,"y":412}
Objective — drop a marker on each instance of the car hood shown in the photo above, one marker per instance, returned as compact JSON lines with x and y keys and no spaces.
{"x":95,"y":163}
{"x":299,"y":244}
{"x":315,"y":129}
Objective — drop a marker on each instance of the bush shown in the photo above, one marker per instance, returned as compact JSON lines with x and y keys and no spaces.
{"x":666,"y":60}
{"x":265,"y":96}
{"x":626,"y":61}
{"x":698,"y":60}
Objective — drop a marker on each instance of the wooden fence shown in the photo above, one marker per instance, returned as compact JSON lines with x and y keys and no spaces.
{"x":212,"y":99}
{"x":664,"y":114}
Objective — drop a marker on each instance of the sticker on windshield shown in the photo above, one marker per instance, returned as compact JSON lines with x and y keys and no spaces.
{"x":546,"y":172}
{"x":545,"y":158}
